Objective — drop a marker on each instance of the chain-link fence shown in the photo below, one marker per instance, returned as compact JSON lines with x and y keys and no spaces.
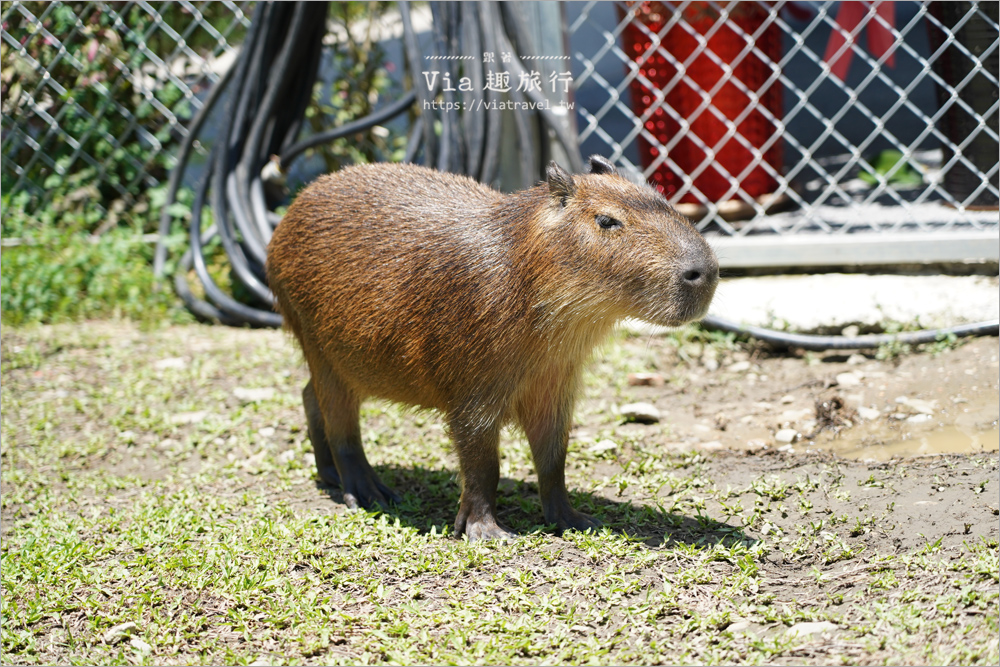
{"x":797,"y":126}
{"x":789,"y":120}
{"x":97,"y":95}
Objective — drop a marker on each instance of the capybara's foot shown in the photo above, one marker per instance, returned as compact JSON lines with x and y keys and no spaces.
{"x":487,"y":530}
{"x":367,"y":491}
{"x":484,"y":527}
{"x":569,"y":518}
{"x":558,"y":511}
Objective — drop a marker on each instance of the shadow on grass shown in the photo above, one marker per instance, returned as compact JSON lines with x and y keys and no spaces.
{"x":431,"y":498}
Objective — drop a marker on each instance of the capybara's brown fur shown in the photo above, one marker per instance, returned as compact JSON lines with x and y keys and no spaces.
{"x":432,"y":290}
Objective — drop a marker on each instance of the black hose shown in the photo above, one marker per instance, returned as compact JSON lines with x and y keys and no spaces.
{"x":183,"y":156}
{"x":814,"y":342}
{"x":372,"y":119}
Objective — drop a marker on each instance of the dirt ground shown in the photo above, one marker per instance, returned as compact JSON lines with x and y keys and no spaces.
{"x":941,"y":401}
{"x":828,"y":465}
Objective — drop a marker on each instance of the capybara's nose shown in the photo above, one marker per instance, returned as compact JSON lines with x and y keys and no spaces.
{"x":700,"y":273}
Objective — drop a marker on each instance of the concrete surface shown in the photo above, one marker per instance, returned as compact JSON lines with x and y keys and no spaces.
{"x":832,"y":301}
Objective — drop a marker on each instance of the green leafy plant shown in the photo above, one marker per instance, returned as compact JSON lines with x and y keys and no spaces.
{"x":891,"y":166}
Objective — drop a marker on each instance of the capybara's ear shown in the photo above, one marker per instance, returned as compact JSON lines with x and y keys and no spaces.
{"x":560,"y":182}
{"x":602,"y":165}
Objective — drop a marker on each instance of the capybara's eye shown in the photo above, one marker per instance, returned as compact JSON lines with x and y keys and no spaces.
{"x":607,"y":222}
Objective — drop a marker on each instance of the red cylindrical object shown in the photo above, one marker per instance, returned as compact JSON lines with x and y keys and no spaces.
{"x":724,"y":154}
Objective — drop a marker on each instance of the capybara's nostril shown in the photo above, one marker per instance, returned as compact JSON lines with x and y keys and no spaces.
{"x":692,"y":275}
{"x":700,"y":272}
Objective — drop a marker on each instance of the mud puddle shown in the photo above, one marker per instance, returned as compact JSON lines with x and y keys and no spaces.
{"x":965,"y":427}
{"x":948,"y":440}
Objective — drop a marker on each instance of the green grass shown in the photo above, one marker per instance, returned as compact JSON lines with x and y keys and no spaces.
{"x":213,"y":538}
{"x":65,"y":276}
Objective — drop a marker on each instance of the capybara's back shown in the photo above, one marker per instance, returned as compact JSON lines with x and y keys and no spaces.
{"x":432,"y":290}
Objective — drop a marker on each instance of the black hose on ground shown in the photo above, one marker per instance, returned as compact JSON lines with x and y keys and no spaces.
{"x":868,"y":342}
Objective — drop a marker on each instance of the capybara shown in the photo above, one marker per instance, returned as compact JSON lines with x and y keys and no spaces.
{"x":435,"y":291}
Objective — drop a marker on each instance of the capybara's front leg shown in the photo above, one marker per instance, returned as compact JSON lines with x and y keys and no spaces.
{"x":341,"y":429}
{"x":479,"y":460}
{"x":546,"y":421}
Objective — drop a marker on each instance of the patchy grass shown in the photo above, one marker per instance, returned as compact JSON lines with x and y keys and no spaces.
{"x":151,"y":515}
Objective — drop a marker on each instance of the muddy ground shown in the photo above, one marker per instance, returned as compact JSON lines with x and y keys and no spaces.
{"x":837,"y":471}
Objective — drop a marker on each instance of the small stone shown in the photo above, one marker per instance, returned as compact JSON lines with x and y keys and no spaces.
{"x":643,"y":413}
{"x":712,"y":446}
{"x":848,"y":379}
{"x":918,"y":419}
{"x":739,"y":366}
{"x":856,"y":359}
{"x":810,"y":628}
{"x":851,"y":331}
{"x":738,"y":626}
{"x":788,"y":449}
{"x":140,"y":645}
{"x":755,"y":445}
{"x":710,"y":363}
{"x":266,"y":432}
{"x":786,"y":399}
{"x":120,"y":632}
{"x":188,"y":417}
{"x":645,"y":379}
{"x":786,"y":435}
{"x":254,"y":395}
{"x":868,"y":413}
{"x":172,"y":362}
{"x":918,"y":405}
{"x":603,"y":446}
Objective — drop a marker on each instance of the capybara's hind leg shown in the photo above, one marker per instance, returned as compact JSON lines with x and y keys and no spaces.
{"x":317,"y":436}
{"x":339,"y":409}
